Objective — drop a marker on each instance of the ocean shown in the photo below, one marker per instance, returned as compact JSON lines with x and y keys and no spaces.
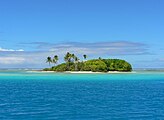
{"x":26,"y":95}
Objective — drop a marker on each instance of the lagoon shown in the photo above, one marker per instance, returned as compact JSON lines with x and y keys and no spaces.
{"x":64,"y":96}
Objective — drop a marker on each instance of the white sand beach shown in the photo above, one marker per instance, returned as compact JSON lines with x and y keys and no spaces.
{"x":82,"y":72}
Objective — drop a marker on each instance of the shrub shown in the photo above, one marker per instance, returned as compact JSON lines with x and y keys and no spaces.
{"x":117,"y":65}
{"x":60,"y":68}
{"x":95,"y":65}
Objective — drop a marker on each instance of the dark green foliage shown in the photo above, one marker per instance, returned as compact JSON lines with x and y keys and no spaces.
{"x":95,"y":65}
{"x":49,"y":60}
{"x":117,"y":65}
{"x":80,"y":66}
{"x":47,"y":69}
{"x":60,"y":68}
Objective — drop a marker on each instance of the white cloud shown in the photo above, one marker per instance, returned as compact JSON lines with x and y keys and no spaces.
{"x":94,"y":48}
{"x":98,"y":48}
{"x":15,"y":58}
{"x":24,"y":59}
{"x":12,"y":60}
{"x":2,"y":49}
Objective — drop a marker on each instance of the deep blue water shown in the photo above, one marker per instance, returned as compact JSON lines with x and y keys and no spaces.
{"x":49,"y":96}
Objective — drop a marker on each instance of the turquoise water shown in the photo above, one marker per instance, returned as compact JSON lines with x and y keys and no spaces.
{"x":49,"y":96}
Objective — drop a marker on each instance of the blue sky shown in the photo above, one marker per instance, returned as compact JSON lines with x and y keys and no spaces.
{"x":31,"y":30}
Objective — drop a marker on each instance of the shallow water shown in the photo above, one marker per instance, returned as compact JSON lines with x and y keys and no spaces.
{"x":35,"y":95}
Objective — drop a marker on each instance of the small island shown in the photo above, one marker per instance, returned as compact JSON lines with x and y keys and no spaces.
{"x":73,"y":63}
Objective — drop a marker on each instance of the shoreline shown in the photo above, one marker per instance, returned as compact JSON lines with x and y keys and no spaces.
{"x":83,"y":72}
{"x":90,"y":72}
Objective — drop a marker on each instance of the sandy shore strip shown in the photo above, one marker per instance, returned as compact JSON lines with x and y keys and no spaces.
{"x":82,"y":72}
{"x":41,"y":71}
{"x":90,"y":72}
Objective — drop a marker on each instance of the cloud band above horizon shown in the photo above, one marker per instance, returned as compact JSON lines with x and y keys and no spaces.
{"x":38,"y":56}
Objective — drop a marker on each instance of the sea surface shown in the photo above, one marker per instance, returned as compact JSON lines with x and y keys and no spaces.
{"x":26,"y":95}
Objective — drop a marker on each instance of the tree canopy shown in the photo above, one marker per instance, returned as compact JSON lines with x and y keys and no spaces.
{"x":94,"y":65}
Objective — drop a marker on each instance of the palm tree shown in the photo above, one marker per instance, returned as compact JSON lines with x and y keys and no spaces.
{"x":100,"y":58}
{"x":67,"y":59}
{"x":85,"y":56}
{"x":73,"y":57}
{"x":49,"y":60}
{"x":55,"y":59}
{"x":76,"y":59}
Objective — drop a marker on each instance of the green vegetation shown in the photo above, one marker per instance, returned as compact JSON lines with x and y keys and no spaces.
{"x":117,"y":65}
{"x":95,"y":65}
{"x":49,"y":60}
{"x":55,"y":59}
{"x":72,"y":63}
